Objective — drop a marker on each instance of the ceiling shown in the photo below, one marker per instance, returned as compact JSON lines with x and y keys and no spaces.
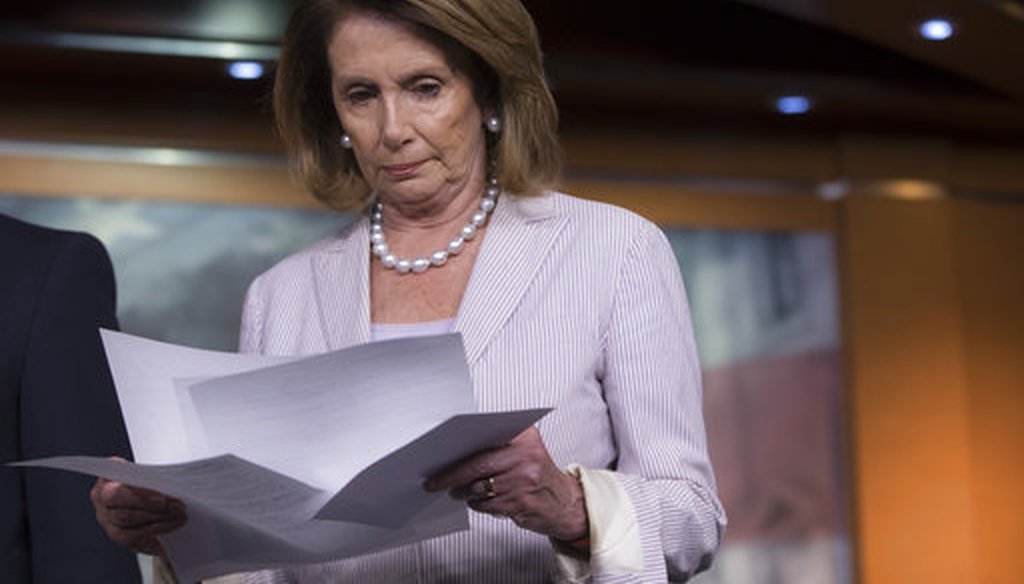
{"x":665,"y":64}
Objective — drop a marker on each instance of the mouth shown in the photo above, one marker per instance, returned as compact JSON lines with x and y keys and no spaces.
{"x":401,"y":170}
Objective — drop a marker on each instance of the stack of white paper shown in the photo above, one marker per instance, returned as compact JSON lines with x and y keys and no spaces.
{"x":284,"y":460}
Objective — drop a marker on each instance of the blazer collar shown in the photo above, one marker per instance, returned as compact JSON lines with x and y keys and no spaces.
{"x":342,"y":280}
{"x":521,"y":233}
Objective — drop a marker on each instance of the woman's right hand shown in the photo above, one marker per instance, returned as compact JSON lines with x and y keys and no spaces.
{"x":134,"y":517}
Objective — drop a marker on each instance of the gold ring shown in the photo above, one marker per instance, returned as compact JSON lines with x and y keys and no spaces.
{"x":489,"y":491}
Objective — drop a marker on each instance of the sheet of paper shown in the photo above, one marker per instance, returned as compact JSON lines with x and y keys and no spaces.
{"x":284,"y":460}
{"x":388,"y":493}
{"x":144,"y":374}
{"x":245,"y":516}
{"x":324,"y":418}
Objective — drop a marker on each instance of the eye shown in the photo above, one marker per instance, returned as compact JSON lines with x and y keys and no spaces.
{"x":427,"y":88}
{"x":359,"y":95}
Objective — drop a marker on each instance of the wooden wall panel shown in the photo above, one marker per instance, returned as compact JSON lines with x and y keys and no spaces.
{"x":270,"y":185}
{"x":248,"y":185}
{"x":990,"y":243}
{"x":909,"y":399}
{"x":683,"y":206}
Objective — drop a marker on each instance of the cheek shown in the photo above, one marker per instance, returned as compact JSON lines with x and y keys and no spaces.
{"x":464,"y":133}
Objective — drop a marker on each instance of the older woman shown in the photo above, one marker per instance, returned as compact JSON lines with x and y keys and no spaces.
{"x":432,"y":117}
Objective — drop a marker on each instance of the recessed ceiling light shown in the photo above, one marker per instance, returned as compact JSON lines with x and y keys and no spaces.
{"x":245,"y":70}
{"x":792,"y":105}
{"x":936,"y":29}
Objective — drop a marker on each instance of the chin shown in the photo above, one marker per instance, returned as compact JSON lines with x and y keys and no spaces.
{"x":408,"y":192}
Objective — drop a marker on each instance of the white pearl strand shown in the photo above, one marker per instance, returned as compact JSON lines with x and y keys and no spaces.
{"x":379,"y":245}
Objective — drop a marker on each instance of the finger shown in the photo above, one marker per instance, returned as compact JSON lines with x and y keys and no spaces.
{"x":503,"y":506}
{"x":113,"y":495}
{"x":117,"y":494}
{"x":97,"y":487}
{"x":125,"y":535}
{"x":488,"y":506}
{"x":94,"y":492}
{"x":126,"y":529}
{"x":126,"y":525}
{"x":499,"y":508}
{"x":128,"y":518}
{"x":140,"y":542}
{"x":462,"y":492}
{"x":462,"y":473}
{"x":478,"y":466}
{"x":131,"y":518}
{"x":525,"y":454}
{"x":527,"y":436}
{"x":150,"y":546}
{"x":477,"y":490}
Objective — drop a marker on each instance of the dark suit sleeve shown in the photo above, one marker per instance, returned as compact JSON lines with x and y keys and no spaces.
{"x":69,"y":406}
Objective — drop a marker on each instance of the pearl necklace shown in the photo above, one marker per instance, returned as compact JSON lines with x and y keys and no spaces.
{"x":379,"y":245}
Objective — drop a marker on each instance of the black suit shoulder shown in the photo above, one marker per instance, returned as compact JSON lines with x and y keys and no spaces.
{"x":34,"y":258}
{"x":56,"y":397}
{"x":29,"y":254}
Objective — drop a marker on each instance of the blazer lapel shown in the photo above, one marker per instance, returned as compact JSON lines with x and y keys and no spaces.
{"x":342,"y":279}
{"x":519,"y":238}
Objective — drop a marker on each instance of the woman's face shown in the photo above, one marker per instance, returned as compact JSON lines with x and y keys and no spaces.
{"x":416,"y":129}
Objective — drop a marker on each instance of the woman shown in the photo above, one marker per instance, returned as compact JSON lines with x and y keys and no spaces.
{"x":433,"y":116}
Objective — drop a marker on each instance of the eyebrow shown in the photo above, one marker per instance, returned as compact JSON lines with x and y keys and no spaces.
{"x":344,"y":82}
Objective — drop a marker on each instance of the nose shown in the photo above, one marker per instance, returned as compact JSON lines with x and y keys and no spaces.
{"x":395,"y":130}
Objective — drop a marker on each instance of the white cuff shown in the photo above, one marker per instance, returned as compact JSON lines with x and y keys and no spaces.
{"x":162,"y":571}
{"x":615,"y":546}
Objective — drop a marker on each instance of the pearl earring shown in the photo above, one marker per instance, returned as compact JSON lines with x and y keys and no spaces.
{"x":346,"y":142}
{"x":493,"y":124}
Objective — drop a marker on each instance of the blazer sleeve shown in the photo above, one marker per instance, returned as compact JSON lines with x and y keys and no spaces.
{"x":69,"y":406}
{"x":250,"y":334}
{"x":652,"y":385}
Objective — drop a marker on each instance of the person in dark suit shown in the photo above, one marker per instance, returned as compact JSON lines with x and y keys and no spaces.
{"x":56,"y":398}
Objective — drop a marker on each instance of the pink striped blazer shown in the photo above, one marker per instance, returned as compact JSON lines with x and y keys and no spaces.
{"x":572,"y":304}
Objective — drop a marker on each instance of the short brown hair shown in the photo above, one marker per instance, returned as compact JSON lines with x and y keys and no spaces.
{"x":505,"y":65}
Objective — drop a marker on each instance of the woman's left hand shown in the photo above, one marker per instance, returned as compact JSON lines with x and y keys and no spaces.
{"x":521,"y":482}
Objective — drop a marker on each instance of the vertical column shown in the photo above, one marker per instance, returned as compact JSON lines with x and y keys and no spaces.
{"x":909,"y":402}
{"x":990,"y":263}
